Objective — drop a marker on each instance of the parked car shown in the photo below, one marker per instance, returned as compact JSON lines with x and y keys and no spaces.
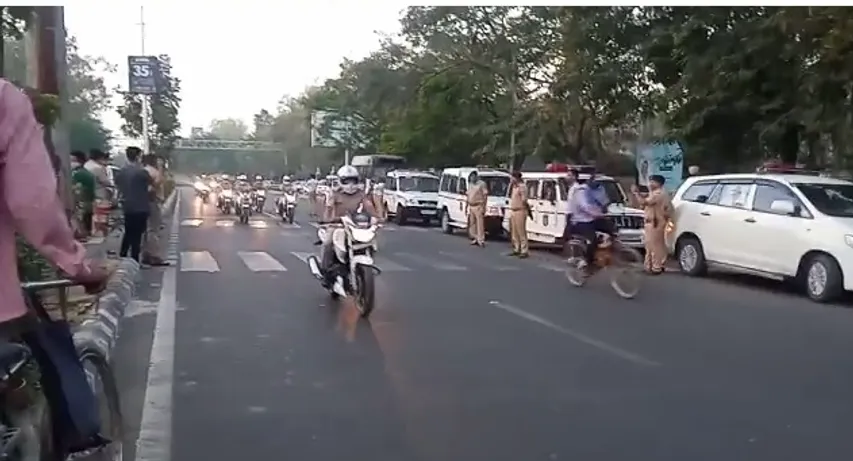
{"x":792,"y":227}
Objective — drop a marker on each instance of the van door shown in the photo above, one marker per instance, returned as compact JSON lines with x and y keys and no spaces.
{"x":548,"y":209}
{"x":457,"y":206}
{"x":534,"y":222}
{"x":391,"y":194}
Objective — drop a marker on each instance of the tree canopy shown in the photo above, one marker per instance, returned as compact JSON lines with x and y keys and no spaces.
{"x":464,"y":85}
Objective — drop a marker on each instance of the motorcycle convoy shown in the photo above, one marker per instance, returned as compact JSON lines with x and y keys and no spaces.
{"x":353,"y":240}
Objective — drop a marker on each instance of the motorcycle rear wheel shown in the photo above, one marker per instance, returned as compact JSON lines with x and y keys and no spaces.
{"x":365,"y":295}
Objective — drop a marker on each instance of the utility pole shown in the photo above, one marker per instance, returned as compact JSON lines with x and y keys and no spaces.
{"x":143,"y":97}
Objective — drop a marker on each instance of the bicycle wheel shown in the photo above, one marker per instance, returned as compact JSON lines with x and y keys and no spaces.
{"x":575,"y":250}
{"x":102,"y":380}
{"x":626,"y":271}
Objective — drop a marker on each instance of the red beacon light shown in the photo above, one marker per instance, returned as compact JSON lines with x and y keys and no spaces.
{"x":557,"y":168}
{"x":777,"y":167}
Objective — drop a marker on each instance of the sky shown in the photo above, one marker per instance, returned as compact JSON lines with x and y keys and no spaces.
{"x":233,"y":57}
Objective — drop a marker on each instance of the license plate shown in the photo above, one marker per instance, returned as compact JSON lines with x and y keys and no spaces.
{"x":428,"y":211}
{"x":494,"y":211}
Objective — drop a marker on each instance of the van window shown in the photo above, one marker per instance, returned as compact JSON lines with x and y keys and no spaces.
{"x":391,"y":184}
{"x":767,"y":193}
{"x":444,"y":181}
{"x":731,"y":195}
{"x":463,"y":186}
{"x":452,"y":182}
{"x":549,"y":190}
{"x":532,"y":188}
{"x":699,"y":189}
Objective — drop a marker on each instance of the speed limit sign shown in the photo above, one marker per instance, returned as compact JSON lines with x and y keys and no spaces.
{"x":142,"y":74}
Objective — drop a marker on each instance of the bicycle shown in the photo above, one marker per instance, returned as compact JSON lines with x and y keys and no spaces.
{"x":26,"y":429}
{"x":624,"y":264}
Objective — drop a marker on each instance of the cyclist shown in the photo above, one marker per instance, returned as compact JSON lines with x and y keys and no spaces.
{"x":30,"y":206}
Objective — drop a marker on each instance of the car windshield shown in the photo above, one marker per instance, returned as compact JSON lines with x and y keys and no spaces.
{"x":418,"y":184}
{"x":830,"y":199}
{"x":497,"y":185}
{"x":614,"y":192}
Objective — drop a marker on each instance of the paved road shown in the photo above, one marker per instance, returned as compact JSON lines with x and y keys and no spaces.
{"x":473,"y":356}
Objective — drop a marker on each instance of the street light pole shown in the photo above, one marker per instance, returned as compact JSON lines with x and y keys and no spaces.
{"x":143,"y":97}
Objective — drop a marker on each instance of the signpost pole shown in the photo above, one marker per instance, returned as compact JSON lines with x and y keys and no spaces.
{"x":144,"y":97}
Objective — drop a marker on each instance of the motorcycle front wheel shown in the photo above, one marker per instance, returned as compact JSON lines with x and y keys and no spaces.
{"x":365,"y":295}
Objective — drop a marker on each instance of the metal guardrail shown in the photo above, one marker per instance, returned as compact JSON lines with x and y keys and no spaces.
{"x":31,"y":289}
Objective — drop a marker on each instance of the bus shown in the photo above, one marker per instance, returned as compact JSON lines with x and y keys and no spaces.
{"x":378,"y":165}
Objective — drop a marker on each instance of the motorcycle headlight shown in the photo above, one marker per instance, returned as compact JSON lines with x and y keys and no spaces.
{"x":362,"y":235}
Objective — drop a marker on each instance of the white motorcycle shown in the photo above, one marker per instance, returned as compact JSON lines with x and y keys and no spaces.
{"x":244,"y":207}
{"x":353,"y":272}
{"x":287,"y":206}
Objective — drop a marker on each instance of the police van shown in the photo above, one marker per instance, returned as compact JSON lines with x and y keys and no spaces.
{"x":547,"y":196}
{"x":452,"y":196}
{"x":408,"y":194}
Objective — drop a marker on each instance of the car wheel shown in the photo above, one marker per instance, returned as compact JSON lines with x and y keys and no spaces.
{"x":399,"y":217}
{"x":445,"y":222}
{"x":823,"y":279}
{"x":691,"y":256}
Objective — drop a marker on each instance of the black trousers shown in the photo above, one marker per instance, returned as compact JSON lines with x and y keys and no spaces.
{"x":134,"y":228}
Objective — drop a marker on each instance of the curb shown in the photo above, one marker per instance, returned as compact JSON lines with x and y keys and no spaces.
{"x":169,"y":203}
{"x":101,"y":329}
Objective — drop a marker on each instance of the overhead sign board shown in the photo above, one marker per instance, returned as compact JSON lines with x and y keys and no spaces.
{"x":330,"y":129}
{"x":142,"y":74}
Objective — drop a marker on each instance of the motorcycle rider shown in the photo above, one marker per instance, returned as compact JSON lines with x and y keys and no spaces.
{"x":347,"y":198}
{"x":286,"y":189}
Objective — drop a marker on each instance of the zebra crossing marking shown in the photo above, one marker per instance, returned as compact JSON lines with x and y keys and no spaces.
{"x":198,"y":261}
{"x":260,"y":261}
{"x":258,"y":224}
{"x":192,"y":222}
{"x":224,"y":223}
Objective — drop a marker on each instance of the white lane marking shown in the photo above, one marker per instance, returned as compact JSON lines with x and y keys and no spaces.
{"x":500,"y":268}
{"x":601,"y":345}
{"x":386,"y":265}
{"x":439,"y":265}
{"x":302,"y":256}
{"x":223,"y":223}
{"x":314,"y":225}
{"x":413,"y":229}
{"x":192,"y":222}
{"x":198,"y":261}
{"x":286,"y":226}
{"x":258,"y":224}
{"x":260,"y":261}
{"x":270,"y":215}
{"x":155,"y":428}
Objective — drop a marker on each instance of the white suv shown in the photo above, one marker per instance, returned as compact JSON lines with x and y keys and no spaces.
{"x":780,"y":226}
{"x":411,"y":195}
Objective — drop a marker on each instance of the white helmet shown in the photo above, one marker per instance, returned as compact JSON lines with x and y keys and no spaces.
{"x":348,"y":177}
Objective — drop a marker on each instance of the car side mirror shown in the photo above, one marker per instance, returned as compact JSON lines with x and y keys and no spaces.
{"x":784,"y":207}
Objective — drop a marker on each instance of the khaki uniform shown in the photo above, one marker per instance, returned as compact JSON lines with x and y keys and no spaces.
{"x":151,"y":241}
{"x":518,"y":218}
{"x":477,"y":195}
{"x":658,"y":210}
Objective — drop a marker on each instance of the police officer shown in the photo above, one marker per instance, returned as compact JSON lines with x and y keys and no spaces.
{"x":518,"y":213}
{"x":476,"y":209}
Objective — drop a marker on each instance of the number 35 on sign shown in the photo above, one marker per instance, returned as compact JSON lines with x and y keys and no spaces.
{"x":142,"y":74}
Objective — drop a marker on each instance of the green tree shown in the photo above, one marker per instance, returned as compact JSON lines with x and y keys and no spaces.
{"x":229,"y":129}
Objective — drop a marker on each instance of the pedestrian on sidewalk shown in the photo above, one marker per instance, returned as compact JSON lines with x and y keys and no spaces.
{"x":476,"y":209}
{"x":151,"y":248}
{"x":658,"y":212}
{"x":134,"y":186}
{"x":102,"y":205}
{"x":83,"y":183}
{"x":519,"y":210}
